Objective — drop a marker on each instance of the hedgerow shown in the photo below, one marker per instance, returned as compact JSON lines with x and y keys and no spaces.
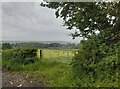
{"x":21,"y":55}
{"x":97,"y":63}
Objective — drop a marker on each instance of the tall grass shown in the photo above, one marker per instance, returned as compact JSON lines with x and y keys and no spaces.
{"x":53,"y":74}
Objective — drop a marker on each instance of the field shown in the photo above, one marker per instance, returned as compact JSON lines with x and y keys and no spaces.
{"x":63,"y":56}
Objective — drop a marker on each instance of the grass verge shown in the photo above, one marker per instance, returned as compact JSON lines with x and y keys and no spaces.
{"x":53,"y":74}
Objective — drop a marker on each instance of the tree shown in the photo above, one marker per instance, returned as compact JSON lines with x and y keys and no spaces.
{"x":99,"y":22}
{"x":89,"y":17}
{"x":6,"y":46}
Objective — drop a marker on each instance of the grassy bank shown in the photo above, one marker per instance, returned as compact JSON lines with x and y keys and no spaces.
{"x":53,"y":74}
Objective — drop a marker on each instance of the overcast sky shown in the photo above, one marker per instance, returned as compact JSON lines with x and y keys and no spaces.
{"x":27,"y":21}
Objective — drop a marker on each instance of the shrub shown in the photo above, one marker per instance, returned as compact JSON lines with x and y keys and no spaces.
{"x":6,"y":46}
{"x":97,"y":63}
{"x":21,"y":56}
{"x":30,"y":60}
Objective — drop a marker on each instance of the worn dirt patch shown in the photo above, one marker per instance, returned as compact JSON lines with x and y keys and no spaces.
{"x":19,"y":79}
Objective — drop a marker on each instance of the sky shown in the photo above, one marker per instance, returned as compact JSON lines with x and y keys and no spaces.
{"x":27,"y":21}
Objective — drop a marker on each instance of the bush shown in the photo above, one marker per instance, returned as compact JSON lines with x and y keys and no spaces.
{"x":21,"y":56}
{"x":96,"y":64}
{"x":30,"y":60}
{"x":6,"y":46}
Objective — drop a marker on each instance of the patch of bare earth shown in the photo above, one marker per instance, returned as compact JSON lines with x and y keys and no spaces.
{"x":19,"y":79}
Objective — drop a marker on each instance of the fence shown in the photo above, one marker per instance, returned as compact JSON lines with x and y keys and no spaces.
{"x":58,"y":55}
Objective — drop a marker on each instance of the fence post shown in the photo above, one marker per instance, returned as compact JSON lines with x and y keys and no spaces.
{"x":41,"y":53}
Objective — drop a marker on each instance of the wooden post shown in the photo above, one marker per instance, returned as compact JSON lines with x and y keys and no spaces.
{"x":40,"y":53}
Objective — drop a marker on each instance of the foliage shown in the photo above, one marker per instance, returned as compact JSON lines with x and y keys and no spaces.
{"x":89,"y":17}
{"x":97,"y":64}
{"x":52,"y":73}
{"x":22,"y":56}
{"x":6,"y":46}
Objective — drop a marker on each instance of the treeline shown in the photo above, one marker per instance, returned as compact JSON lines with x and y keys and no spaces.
{"x":40,"y":45}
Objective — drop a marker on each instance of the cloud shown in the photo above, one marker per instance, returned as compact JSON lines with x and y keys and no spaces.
{"x":29,"y":21}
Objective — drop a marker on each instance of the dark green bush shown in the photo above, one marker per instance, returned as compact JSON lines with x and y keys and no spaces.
{"x":21,"y":56}
{"x":6,"y":46}
{"x":31,"y":60}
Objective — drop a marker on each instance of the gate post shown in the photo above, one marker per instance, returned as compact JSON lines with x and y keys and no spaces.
{"x":41,"y":53}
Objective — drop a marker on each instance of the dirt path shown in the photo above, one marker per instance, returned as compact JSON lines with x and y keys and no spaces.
{"x":18,"y":79}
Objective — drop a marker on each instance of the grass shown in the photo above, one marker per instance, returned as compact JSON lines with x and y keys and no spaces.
{"x":63,"y":56}
{"x":48,"y":54}
{"x":53,"y":69}
{"x":57,"y":74}
{"x":53,"y":74}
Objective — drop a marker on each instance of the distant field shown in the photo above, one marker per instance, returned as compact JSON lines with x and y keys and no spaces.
{"x":63,"y":56}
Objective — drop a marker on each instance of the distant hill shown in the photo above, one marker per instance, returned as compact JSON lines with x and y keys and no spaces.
{"x":45,"y":42}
